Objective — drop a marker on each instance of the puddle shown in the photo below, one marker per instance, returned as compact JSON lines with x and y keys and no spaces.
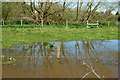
{"x":73,"y":59}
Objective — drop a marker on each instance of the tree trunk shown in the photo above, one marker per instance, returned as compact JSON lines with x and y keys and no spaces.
{"x":77,"y":15}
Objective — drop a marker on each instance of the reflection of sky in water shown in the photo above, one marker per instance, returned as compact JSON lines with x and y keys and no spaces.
{"x":105,"y":50}
{"x":69,"y":47}
{"x":110,"y":45}
{"x":99,"y":46}
{"x":33,"y":54}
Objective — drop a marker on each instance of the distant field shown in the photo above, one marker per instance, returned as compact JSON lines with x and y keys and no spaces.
{"x":14,"y":35}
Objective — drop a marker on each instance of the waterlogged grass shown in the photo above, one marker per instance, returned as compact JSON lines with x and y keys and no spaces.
{"x":7,"y":60}
{"x":12,"y":36}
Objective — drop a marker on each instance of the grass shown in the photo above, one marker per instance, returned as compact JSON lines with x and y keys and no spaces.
{"x":14,"y":35}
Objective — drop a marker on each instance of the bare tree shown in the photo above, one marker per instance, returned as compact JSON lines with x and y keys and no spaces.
{"x":43,"y":10}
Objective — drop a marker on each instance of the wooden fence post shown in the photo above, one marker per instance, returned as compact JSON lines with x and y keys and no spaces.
{"x":97,"y":24}
{"x":87,"y":24}
{"x":21,"y":23}
{"x":42,"y":22}
{"x":66,"y":24}
{"x":108,"y":24}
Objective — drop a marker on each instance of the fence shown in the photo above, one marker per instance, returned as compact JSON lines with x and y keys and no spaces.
{"x":62,"y":23}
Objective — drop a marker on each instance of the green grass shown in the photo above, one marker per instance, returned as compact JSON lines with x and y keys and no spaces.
{"x":14,"y":35}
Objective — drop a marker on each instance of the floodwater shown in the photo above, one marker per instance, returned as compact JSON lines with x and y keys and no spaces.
{"x":73,"y":59}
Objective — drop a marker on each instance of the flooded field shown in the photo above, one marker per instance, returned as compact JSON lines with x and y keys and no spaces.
{"x":73,"y":59}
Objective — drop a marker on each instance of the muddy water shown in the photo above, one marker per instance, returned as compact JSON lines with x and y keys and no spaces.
{"x":73,"y":59}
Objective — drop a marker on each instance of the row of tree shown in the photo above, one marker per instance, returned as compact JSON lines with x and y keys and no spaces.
{"x":58,"y":12}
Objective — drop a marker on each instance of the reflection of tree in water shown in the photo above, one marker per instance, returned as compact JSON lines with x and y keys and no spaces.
{"x":91,"y":49}
{"x":60,"y":50}
{"x":37,"y":55}
{"x":91,"y":55}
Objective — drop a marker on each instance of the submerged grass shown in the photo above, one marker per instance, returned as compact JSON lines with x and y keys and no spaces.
{"x":12,"y":36}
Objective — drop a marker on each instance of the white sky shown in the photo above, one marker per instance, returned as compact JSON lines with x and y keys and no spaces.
{"x":61,"y":0}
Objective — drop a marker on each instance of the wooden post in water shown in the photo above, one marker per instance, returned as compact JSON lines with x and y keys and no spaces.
{"x":58,"y":50}
{"x":21,"y":22}
{"x":66,"y":24}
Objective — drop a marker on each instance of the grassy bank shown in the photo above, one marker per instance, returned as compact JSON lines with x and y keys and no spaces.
{"x":12,"y":36}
